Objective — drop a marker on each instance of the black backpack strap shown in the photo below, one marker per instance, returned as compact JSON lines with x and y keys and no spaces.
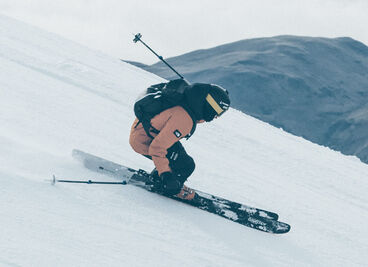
{"x":148,"y":128}
{"x":192,"y":131}
{"x":192,"y":116}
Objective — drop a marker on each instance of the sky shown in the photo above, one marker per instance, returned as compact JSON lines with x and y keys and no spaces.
{"x":173,"y":27}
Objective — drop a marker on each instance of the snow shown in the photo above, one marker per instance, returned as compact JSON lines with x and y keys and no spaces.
{"x":56,"y":95}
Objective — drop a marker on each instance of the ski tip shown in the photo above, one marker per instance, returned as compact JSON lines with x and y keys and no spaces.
{"x":75,"y":152}
{"x":282,"y":228}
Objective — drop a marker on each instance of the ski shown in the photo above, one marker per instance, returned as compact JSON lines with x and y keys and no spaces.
{"x":248,"y":216}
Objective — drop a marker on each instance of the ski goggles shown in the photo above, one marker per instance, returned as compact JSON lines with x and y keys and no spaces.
{"x":219,"y":110}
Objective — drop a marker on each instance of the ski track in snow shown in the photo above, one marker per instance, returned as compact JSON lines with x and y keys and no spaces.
{"x":56,"y":95}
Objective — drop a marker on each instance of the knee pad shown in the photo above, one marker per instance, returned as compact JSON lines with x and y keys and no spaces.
{"x":190,"y":165}
{"x":184,"y":168}
{"x":180,"y":162}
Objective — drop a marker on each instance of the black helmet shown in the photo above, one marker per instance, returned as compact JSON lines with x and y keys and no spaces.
{"x":217,"y":102}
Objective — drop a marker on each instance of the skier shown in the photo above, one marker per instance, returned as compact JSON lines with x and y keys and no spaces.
{"x":158,"y":137}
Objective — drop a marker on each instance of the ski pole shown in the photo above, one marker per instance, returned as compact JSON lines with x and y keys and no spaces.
{"x":54,"y":180}
{"x":137,"y":38}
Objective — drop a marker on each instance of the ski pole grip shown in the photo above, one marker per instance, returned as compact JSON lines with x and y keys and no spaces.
{"x":137,"y":37}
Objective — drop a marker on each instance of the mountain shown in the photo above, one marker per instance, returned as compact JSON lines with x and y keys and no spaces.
{"x":137,"y":64}
{"x":316,"y":88}
{"x":56,"y":95}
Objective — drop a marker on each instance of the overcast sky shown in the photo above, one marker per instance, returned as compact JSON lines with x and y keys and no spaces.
{"x":174,"y":27}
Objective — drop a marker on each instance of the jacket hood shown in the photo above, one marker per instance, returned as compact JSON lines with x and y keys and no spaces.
{"x":195,"y":100}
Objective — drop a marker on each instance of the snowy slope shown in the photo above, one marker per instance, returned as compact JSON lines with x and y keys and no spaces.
{"x":56,"y":95}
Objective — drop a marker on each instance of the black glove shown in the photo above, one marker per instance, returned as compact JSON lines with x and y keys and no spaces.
{"x":170,"y":185}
